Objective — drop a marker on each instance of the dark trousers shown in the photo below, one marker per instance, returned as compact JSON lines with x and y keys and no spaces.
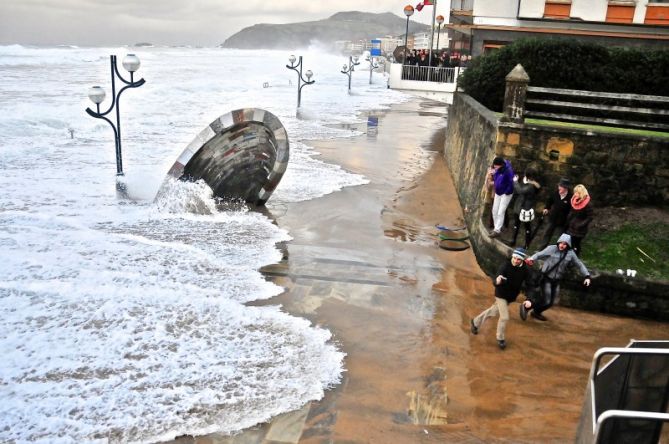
{"x":576,"y":244}
{"x":550,"y":290}
{"x":528,"y":231}
{"x":550,"y":229}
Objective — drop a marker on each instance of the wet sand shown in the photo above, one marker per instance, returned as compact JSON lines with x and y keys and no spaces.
{"x":365,"y":264}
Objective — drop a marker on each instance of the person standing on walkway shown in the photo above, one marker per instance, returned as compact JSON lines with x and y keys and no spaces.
{"x":580,"y":217}
{"x":508,"y":282}
{"x":525,"y":192}
{"x":502,"y":179}
{"x":557,"y":209}
{"x":556,"y":260}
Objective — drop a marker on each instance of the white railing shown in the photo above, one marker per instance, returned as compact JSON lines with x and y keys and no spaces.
{"x":429,"y":74}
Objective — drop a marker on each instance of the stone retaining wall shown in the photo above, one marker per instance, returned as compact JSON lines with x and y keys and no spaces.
{"x":612,"y":166}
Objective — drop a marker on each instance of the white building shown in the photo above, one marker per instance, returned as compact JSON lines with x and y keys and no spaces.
{"x":482,"y":25}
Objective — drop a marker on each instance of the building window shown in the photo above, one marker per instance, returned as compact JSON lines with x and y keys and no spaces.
{"x":620,"y":11}
{"x":657,"y":13}
{"x":556,"y":9}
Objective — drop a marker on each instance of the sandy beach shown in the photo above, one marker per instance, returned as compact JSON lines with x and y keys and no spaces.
{"x":365,"y":264}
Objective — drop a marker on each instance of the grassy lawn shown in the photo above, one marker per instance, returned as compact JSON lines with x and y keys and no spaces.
{"x":597,"y":128}
{"x":619,"y":249}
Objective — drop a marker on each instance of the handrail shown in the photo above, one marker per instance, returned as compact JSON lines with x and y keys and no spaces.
{"x":594,"y":371}
{"x":598,"y":94}
{"x":632,"y":414}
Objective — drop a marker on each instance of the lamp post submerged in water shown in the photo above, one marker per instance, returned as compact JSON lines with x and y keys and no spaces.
{"x":348,"y":69}
{"x":301,"y":82}
{"x":373,"y":64}
{"x":97,"y":95}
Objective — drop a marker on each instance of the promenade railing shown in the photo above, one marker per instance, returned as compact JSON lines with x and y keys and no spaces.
{"x":429,"y":73}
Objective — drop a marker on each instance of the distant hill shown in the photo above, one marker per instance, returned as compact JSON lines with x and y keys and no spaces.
{"x":352,"y":25}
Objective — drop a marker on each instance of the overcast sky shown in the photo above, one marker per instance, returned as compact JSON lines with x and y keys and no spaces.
{"x":168,"y":22}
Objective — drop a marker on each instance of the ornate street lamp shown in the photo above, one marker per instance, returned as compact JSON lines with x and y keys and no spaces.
{"x":97,"y":95}
{"x":373,"y":64}
{"x":408,"y":11}
{"x":301,"y":81}
{"x":440,"y":20}
{"x":348,"y":69}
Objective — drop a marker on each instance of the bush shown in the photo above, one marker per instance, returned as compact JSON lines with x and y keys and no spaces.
{"x":570,"y":64}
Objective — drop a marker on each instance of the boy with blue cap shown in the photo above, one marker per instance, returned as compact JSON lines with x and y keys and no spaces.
{"x":508,"y":282}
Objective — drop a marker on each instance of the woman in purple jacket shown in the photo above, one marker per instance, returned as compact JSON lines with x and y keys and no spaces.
{"x":502,"y":178}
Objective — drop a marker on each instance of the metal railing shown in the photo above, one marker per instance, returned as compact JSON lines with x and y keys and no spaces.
{"x":429,"y":74}
{"x":626,"y":400}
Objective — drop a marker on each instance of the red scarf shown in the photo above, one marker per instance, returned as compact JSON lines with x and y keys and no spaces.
{"x":579,"y":204}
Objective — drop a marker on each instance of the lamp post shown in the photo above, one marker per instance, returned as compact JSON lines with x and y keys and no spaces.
{"x":373,"y":64}
{"x":348,"y":69}
{"x":97,"y":95}
{"x":440,"y":20}
{"x":301,"y":81}
{"x":408,"y":11}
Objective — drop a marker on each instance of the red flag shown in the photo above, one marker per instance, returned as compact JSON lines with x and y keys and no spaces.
{"x":419,"y":6}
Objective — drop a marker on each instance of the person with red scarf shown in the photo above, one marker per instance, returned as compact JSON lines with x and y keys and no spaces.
{"x":579,"y":217}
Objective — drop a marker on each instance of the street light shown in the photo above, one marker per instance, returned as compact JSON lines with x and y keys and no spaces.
{"x":440,"y":20}
{"x":408,"y":11}
{"x":373,"y":64}
{"x":300,"y":79}
{"x":97,"y":95}
{"x":348,"y":69}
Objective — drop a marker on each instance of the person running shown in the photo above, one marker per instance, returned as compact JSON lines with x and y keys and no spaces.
{"x":556,"y":260}
{"x":510,"y":277}
{"x":502,"y":177}
{"x":557,"y":209}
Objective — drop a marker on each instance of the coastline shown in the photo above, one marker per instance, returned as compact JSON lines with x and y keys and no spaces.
{"x":364,"y":264}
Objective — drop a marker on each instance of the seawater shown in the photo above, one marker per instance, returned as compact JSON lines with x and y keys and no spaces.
{"x":124,"y":320}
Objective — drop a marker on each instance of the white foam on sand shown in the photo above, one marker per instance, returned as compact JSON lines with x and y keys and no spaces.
{"x":124,"y":320}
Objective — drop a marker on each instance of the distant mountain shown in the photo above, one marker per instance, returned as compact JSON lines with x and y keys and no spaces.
{"x":351,"y":25}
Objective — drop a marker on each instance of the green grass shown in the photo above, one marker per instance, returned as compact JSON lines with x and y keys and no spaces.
{"x":619,"y":249}
{"x":599,"y":128}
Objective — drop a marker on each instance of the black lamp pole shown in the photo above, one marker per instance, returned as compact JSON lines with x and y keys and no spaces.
{"x":97,"y":95}
{"x":301,"y":81}
{"x":348,"y":69}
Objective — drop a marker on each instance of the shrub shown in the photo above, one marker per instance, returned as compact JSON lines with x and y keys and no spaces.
{"x":570,"y":64}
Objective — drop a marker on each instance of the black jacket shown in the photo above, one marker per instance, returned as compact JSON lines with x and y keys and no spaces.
{"x":558,"y":208}
{"x":510,"y":287}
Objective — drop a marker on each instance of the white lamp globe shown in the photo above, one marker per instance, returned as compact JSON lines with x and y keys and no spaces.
{"x":131,"y":62}
{"x":96,"y":94}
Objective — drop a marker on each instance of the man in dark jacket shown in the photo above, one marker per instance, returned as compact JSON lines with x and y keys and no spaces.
{"x":510,"y":278}
{"x":557,"y":209}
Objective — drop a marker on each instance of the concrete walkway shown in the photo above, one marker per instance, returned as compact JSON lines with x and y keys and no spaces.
{"x":364,"y":263}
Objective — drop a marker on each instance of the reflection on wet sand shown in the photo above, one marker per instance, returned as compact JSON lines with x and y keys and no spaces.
{"x":364,"y":263}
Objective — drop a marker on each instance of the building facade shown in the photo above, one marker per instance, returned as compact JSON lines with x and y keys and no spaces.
{"x":480,"y":26}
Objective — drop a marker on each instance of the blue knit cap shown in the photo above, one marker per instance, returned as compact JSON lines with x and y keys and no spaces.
{"x":520,"y":253}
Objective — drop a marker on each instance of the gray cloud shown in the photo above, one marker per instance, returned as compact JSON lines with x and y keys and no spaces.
{"x":168,"y":22}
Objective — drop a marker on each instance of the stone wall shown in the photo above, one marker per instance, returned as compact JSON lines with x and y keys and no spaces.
{"x":617,"y":169}
{"x":474,"y":137}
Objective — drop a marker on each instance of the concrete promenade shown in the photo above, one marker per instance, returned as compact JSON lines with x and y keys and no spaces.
{"x":365,"y":264}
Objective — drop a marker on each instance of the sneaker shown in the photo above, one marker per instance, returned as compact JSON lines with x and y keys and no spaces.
{"x":501,"y":343}
{"x":538,"y":316}
{"x":473,"y":328}
{"x":523,"y":311}
{"x":494,"y":234}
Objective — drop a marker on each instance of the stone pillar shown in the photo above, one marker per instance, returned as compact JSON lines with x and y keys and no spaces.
{"x":514,"y":95}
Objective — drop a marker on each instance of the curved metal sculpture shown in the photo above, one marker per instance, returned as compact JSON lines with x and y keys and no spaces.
{"x":242,"y":154}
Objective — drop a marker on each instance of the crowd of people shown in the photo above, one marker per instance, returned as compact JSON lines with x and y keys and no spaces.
{"x":440,"y":59}
{"x":569,"y":214}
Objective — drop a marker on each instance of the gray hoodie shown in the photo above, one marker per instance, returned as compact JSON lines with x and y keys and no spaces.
{"x":551,"y":256}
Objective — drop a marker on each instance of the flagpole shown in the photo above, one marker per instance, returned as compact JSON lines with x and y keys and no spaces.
{"x":434,"y":13}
